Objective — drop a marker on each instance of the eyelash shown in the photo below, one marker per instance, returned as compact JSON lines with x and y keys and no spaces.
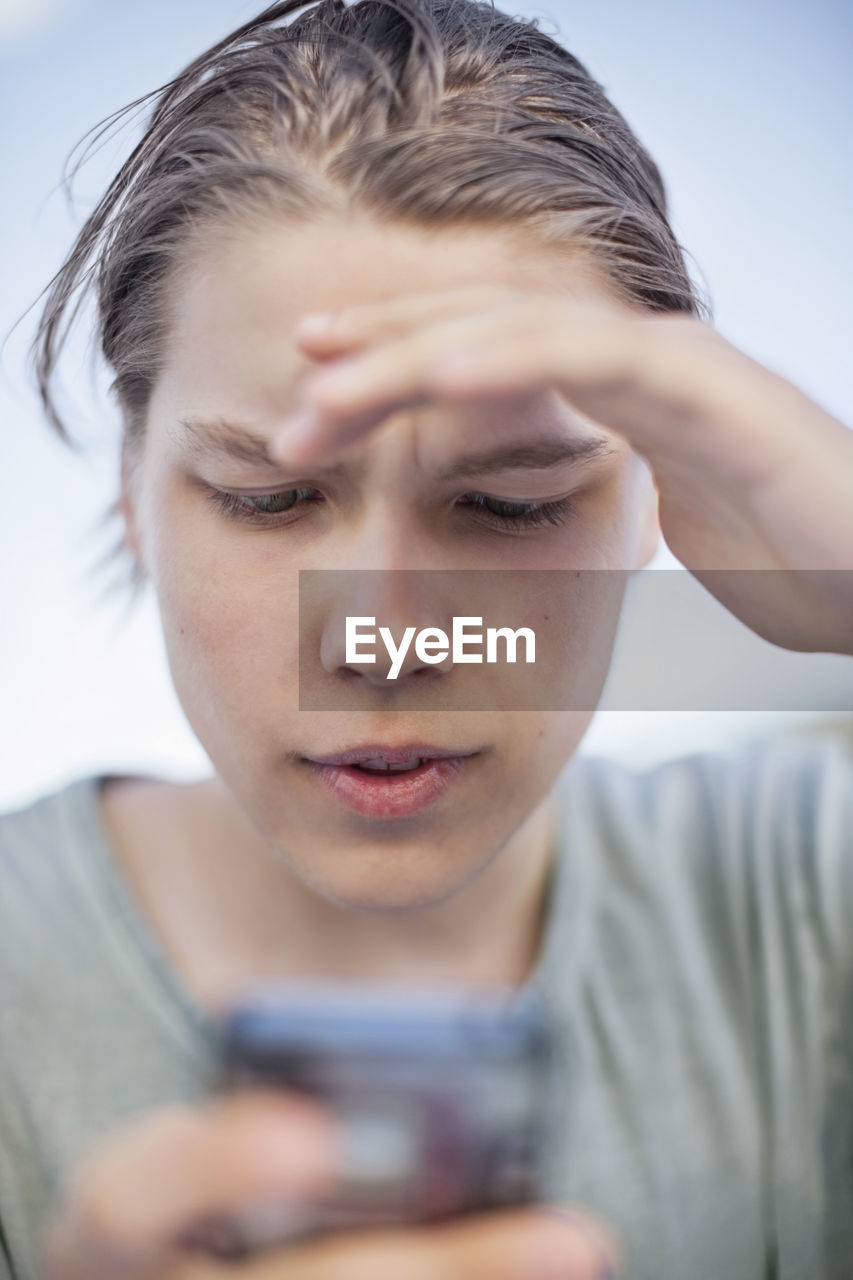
{"x":238,"y":508}
{"x":502,"y":515}
{"x":517,"y":516}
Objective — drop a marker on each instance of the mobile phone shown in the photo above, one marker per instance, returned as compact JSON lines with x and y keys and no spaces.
{"x":445,"y":1098}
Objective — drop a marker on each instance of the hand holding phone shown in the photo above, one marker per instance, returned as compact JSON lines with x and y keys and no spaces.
{"x":444,"y":1099}
{"x":146,"y":1190}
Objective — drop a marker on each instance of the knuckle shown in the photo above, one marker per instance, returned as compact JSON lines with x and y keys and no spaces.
{"x":97,"y":1210}
{"x":87,"y":1227}
{"x":674,"y":327}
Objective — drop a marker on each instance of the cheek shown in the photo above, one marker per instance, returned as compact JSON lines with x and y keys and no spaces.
{"x":560,"y":734}
{"x":229,"y":607}
{"x":537,"y":747}
{"x":549,"y":736}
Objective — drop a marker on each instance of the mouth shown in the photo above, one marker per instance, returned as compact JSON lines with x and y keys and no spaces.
{"x":379,"y":781}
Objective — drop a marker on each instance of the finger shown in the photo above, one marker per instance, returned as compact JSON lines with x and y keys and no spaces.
{"x":517,"y":347}
{"x":360,"y":325}
{"x":350,"y":399}
{"x":400,"y":370}
{"x":148,"y":1183}
{"x":527,"y":1244}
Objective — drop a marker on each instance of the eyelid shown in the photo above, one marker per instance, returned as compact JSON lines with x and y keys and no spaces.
{"x":530,"y":514}
{"x":561,"y":482}
{"x":538,"y":500}
{"x":565,"y":471}
{"x":527,"y":516}
{"x":262,"y":491}
{"x":265,"y":491}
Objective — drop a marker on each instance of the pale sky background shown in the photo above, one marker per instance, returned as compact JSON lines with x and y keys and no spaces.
{"x":748,"y":108}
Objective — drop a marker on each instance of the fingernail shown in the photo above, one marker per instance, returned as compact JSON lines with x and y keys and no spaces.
{"x":547,"y":1257}
{"x":295,"y":432}
{"x":318,"y":322}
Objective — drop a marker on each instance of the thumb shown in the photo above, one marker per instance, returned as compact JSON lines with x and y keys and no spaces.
{"x":604,"y":1247}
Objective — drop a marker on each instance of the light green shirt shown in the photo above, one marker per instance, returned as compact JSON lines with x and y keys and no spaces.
{"x":698,"y":953}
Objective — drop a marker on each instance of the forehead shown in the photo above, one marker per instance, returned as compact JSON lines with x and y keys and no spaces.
{"x":236,"y":299}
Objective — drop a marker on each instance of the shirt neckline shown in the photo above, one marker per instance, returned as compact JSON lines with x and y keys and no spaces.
{"x":553,"y":974}
{"x":186,"y":1016}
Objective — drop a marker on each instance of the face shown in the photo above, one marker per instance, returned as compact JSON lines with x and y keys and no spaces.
{"x":225,"y":568}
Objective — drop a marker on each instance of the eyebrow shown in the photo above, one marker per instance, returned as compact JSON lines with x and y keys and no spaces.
{"x":236,"y":442}
{"x":240,"y":443}
{"x":534,"y":455}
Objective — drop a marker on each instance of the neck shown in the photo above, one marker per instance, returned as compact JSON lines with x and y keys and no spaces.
{"x":488,"y":932}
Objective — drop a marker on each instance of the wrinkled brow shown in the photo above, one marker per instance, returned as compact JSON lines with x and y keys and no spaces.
{"x":536,"y":454}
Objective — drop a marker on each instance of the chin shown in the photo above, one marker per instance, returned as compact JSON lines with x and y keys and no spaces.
{"x":390,"y":890}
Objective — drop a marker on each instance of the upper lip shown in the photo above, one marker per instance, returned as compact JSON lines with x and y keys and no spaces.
{"x":391,"y":755}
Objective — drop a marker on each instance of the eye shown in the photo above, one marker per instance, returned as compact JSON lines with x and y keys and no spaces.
{"x":508,"y":516}
{"x":263,"y":508}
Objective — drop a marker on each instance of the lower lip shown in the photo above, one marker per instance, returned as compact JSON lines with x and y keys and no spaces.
{"x":390,"y":795}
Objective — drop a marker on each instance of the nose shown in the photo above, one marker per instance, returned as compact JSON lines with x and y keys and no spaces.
{"x":388,"y":609}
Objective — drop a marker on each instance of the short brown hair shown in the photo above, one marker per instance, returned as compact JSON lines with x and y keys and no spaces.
{"x":423,"y":112}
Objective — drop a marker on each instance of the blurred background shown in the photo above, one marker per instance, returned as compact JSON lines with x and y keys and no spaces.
{"x":747,"y":105}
